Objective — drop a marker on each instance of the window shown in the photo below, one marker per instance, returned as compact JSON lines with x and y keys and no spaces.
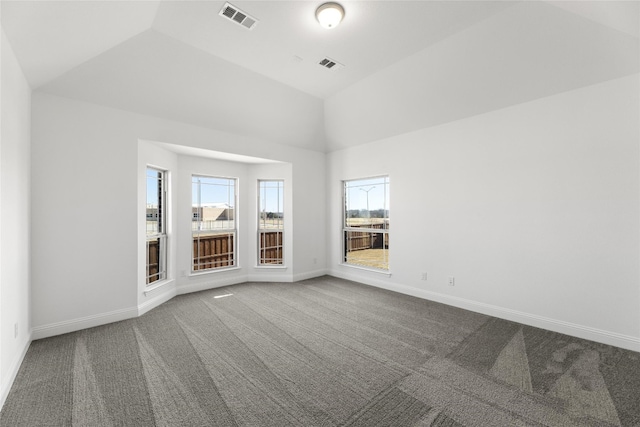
{"x":156,"y":220}
{"x":366,"y":222}
{"x":270,"y":222}
{"x":213,"y":222}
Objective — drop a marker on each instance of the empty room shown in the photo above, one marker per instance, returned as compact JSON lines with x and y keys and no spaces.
{"x":301,"y":213}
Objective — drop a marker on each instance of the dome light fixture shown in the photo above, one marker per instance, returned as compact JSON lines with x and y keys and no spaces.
{"x":329,"y":15}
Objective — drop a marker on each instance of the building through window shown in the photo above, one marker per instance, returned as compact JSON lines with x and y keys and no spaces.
{"x":156,"y":220}
{"x":366,"y":223}
{"x":214,"y":224}
{"x":270,"y":222}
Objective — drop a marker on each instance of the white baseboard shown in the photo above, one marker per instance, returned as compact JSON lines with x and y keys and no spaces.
{"x":73,"y":325}
{"x":210,"y":284}
{"x":567,"y":328}
{"x":269,"y":278}
{"x":9,"y":378}
{"x":160,"y":299}
{"x":309,"y":274}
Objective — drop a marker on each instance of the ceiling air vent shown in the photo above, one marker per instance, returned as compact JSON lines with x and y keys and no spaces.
{"x":234,"y":14}
{"x":330,"y":64}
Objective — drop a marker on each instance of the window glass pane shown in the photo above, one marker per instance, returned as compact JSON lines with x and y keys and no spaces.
{"x":270,"y":222}
{"x":214,"y":203}
{"x":213,"y":250}
{"x":366,"y":222}
{"x":271,"y":247}
{"x":156,"y":246}
{"x":271,"y":205}
{"x":367,"y":249}
{"x":213,"y":222}
{"x":156,"y":259}
{"x":154,"y":200}
{"x":367,"y":202}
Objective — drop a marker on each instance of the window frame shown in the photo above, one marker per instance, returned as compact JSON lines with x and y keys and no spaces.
{"x":233,"y":262}
{"x":346,"y":229}
{"x":161,"y":233}
{"x":262,"y":230}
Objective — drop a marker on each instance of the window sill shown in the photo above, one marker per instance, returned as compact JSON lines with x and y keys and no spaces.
{"x":150,"y":288}
{"x":271,"y":267}
{"x":213,"y":271}
{"x":369,"y":269}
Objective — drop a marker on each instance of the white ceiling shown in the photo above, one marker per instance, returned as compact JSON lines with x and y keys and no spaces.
{"x":181,"y":60}
{"x":52,"y":37}
{"x":373,"y":35}
{"x":529,"y":51}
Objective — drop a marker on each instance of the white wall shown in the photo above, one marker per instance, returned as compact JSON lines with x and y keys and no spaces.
{"x":534,"y":209}
{"x":14,"y":216}
{"x":84,"y":193}
{"x":86,"y":171}
{"x":309,"y":217}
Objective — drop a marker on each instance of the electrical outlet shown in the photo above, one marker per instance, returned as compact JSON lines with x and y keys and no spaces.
{"x":424,"y":276}
{"x":15,"y":330}
{"x":452,"y":281}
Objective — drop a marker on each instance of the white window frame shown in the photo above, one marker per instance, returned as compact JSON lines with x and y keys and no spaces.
{"x":262,"y":260}
{"x":233,"y":262}
{"x":160,"y":232}
{"x":346,"y":229}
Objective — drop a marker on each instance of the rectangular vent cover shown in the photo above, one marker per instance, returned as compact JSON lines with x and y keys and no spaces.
{"x":330,"y":64}
{"x":234,"y":14}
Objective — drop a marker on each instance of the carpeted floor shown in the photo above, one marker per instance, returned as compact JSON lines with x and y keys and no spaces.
{"x":323,"y":352}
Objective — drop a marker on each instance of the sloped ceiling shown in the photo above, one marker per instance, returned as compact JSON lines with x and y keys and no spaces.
{"x":51,"y":37}
{"x":180,"y":60}
{"x":529,"y":51}
{"x":373,"y":35}
{"x":155,"y":74}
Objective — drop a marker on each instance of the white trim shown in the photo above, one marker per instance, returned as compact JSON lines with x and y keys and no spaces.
{"x":370,"y":269}
{"x":163,"y":227}
{"x":203,"y":286}
{"x":309,"y":275}
{"x":66,"y":326}
{"x":154,"y":302}
{"x":265,"y":277}
{"x":9,"y":378}
{"x":236,"y":220}
{"x":345,"y":228}
{"x":150,"y":289}
{"x":580,"y":331}
{"x":266,"y":230}
{"x":213,"y":270}
{"x":270,"y":267}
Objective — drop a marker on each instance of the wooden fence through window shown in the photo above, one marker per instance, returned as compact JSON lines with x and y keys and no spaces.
{"x":213,"y":251}
{"x":360,"y":240}
{"x":271,"y":248}
{"x":153,"y":260}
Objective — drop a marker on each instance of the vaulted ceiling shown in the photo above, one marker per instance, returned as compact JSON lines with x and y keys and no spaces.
{"x":181,"y":60}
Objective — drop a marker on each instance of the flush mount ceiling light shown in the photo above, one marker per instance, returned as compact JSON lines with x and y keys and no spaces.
{"x":329,"y":15}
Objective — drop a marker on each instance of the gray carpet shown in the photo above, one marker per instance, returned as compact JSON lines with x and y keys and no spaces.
{"x":323,"y":352}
